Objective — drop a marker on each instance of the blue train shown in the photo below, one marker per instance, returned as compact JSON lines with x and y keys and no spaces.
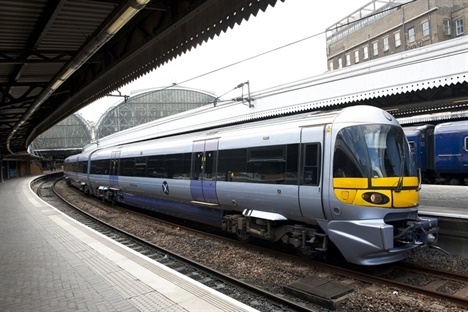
{"x":441,"y":151}
{"x":308,"y":180}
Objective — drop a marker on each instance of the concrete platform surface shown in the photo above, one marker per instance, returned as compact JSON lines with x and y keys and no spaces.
{"x":49,"y":262}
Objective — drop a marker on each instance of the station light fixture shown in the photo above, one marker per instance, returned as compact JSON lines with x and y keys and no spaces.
{"x":56,"y":84}
{"x":125,"y":17}
{"x":68,"y":73}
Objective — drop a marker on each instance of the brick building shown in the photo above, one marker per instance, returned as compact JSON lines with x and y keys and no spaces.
{"x":381,"y":28}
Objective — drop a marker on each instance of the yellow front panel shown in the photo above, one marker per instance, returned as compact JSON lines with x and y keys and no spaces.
{"x":405,"y":199}
{"x":346,"y":196}
{"x":351,"y":190}
{"x":353,"y":183}
{"x":393,"y":181}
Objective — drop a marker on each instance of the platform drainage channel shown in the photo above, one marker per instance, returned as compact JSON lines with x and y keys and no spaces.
{"x":321,"y":291}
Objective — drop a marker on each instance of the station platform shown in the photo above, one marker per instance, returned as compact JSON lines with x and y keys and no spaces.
{"x":449,"y":201}
{"x":49,"y":262}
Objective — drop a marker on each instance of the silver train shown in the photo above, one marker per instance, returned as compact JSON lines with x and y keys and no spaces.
{"x":345,"y":177}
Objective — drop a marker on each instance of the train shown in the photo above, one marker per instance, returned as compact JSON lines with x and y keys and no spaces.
{"x":316,"y":181}
{"x":440,"y":151}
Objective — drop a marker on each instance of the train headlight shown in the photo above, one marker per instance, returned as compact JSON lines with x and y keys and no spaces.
{"x":375,"y":198}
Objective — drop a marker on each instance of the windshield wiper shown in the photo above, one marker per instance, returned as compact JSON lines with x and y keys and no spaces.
{"x":400,"y":180}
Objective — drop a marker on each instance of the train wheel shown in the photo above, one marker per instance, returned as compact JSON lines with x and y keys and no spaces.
{"x":243,"y":236}
{"x":454,"y":181}
{"x":309,"y":253}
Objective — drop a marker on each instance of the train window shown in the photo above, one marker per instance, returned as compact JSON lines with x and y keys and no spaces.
{"x":100,"y":166}
{"x":173,"y":166}
{"x":204,"y":165}
{"x":372,"y":151}
{"x":114,"y":166}
{"x":267,"y":164}
{"x":178,"y":166}
{"x":266,"y":152}
{"x":232,"y":165}
{"x":197,"y":165}
{"x":350,"y":158}
{"x":67,"y":167}
{"x":83,"y":167}
{"x":140,"y":167}
{"x":127,"y":167}
{"x":133,"y":167}
{"x":311,"y":160}
{"x":156,"y":166}
{"x":292,"y":164}
{"x":210,"y":165}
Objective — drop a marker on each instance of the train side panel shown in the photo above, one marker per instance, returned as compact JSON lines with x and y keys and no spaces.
{"x":258,"y":171}
{"x":76,"y":171}
{"x":421,"y":140}
{"x":312,"y":172}
{"x":451,"y":150}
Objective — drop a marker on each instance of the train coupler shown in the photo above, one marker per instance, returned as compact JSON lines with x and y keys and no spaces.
{"x":422,"y":231}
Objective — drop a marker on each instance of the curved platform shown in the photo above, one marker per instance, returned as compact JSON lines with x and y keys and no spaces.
{"x":50,"y":262}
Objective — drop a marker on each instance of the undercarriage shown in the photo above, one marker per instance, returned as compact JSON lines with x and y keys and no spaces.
{"x":308,"y":241}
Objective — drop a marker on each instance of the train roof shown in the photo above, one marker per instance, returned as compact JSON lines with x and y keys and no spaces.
{"x":412,"y":130}
{"x":165,"y":130}
{"x":454,"y":126}
{"x":184,"y":126}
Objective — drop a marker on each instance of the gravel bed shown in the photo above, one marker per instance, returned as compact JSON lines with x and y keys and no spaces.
{"x":268,"y":272}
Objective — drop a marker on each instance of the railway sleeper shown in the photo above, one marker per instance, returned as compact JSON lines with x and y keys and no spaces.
{"x":308,"y":241}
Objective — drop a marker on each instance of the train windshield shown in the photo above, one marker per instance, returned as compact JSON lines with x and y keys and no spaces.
{"x":372,"y":151}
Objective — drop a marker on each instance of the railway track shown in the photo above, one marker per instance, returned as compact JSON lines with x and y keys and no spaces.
{"x":432,"y":283}
{"x":239,"y":290}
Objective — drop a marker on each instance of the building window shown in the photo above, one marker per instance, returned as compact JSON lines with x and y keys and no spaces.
{"x":340,"y":63}
{"x":348,"y":59}
{"x":356,"y":56}
{"x":459,"y":27}
{"x":425,"y":29}
{"x":447,"y":29}
{"x":330,"y":65}
{"x":386,"y":45}
{"x":397,"y":39}
{"x":365,"y":53}
{"x":375,"y":48}
{"x":411,"y":37}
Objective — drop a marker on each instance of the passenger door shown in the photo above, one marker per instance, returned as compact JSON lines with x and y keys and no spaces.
{"x":310,"y":188}
{"x":203,"y":178}
{"x":114,"y":169}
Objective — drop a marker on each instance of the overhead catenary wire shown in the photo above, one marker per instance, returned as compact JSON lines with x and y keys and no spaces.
{"x":218,"y":98}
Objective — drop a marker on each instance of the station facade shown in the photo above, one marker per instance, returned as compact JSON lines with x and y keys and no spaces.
{"x":381,"y":28}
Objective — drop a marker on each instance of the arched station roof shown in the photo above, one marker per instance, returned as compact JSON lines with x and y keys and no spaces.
{"x":148,"y":106}
{"x":69,"y":135}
